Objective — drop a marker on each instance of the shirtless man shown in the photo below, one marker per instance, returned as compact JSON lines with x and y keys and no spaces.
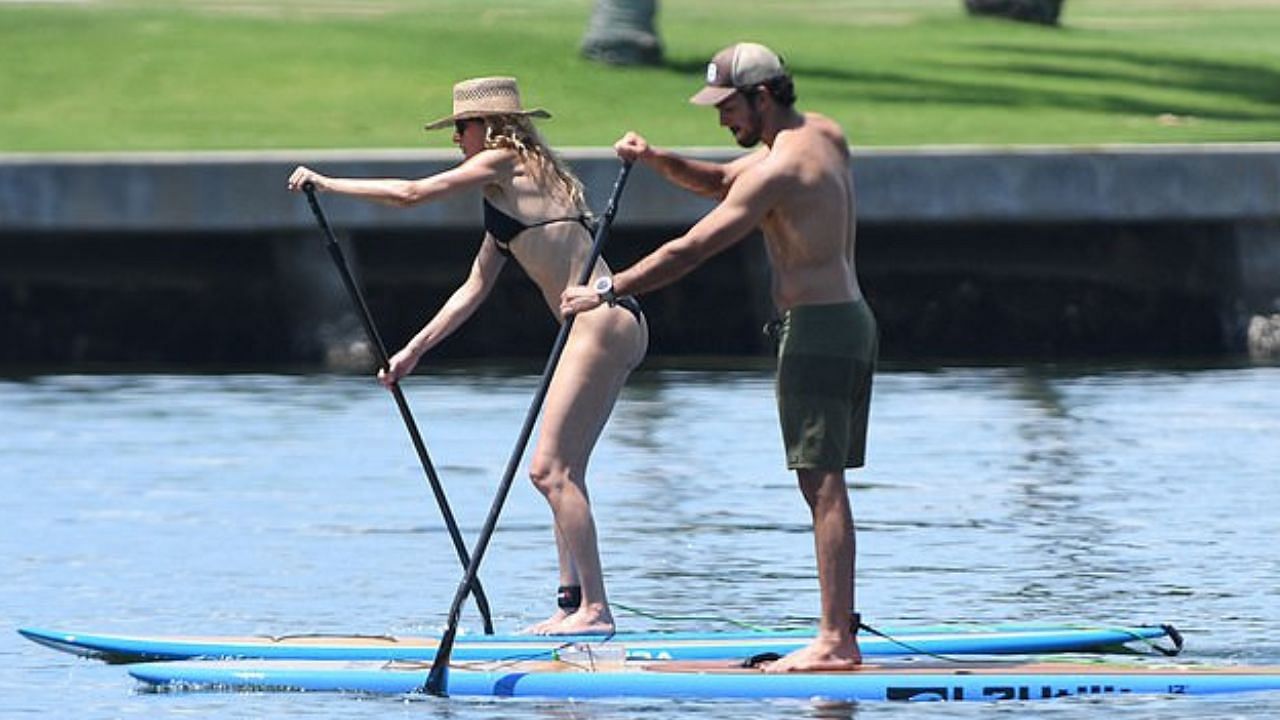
{"x":799,"y":191}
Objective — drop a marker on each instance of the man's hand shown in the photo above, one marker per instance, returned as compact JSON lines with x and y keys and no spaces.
{"x":632,"y":147}
{"x":578,"y":299}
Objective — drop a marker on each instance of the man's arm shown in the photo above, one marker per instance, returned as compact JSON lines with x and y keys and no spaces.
{"x":742,"y":211}
{"x":702,"y":177}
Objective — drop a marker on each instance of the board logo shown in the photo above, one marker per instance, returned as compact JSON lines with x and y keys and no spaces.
{"x":937,"y":693}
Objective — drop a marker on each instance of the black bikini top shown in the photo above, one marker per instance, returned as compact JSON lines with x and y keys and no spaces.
{"x":505,"y":228}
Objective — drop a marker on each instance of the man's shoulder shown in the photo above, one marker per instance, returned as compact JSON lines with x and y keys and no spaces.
{"x":826,"y":128}
{"x":809,"y":144}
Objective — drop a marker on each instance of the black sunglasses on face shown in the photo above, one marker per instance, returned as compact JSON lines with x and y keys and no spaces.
{"x":460,"y":126}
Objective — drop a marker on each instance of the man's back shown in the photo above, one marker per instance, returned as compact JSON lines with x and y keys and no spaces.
{"x":809,"y":232}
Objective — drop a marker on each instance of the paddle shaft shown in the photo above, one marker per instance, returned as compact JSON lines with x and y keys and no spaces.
{"x":437,"y":678}
{"x":375,"y":339}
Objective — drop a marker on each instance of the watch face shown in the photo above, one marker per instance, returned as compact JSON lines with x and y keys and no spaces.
{"x":604,"y":284}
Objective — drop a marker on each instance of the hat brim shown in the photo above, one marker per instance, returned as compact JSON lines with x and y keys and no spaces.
{"x":712,"y":95}
{"x":471,"y":114}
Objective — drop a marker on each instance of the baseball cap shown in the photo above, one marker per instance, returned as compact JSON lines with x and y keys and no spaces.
{"x":738,"y":66}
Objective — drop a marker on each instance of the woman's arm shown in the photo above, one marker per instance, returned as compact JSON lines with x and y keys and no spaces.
{"x":455,"y":311}
{"x":487,"y":167}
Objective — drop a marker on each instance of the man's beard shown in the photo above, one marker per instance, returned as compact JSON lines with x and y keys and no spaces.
{"x":751,"y":138}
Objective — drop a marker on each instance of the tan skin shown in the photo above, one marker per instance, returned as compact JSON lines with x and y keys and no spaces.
{"x":798,"y":190}
{"x":598,"y":356}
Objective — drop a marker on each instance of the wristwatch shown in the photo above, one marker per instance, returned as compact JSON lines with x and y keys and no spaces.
{"x":604,"y":288}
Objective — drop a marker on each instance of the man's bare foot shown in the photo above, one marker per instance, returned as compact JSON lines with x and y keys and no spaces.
{"x":586,"y":621}
{"x":819,"y":655}
{"x":544,"y":627}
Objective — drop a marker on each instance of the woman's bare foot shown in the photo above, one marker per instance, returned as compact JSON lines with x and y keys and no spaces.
{"x":821,"y":654}
{"x":591,"y":620}
{"x":544,"y":627}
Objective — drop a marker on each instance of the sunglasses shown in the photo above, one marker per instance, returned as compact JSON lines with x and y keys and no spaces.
{"x":460,"y":126}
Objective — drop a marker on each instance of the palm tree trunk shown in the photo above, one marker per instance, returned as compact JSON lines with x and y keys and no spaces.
{"x":1045,"y":12}
{"x":621,"y":32}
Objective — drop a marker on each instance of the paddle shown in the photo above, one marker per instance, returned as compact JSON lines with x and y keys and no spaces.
{"x":437,"y":679}
{"x":375,"y":339}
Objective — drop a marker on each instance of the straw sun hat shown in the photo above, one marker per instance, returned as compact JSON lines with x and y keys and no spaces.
{"x":479,"y":97}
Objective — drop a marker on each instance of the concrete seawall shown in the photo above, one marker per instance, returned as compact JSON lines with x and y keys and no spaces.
{"x":204,"y":259}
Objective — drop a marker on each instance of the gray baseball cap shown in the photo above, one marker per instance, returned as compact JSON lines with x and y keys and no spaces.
{"x":738,"y":66}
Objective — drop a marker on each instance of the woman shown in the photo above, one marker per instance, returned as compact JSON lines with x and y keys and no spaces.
{"x":534,"y":212}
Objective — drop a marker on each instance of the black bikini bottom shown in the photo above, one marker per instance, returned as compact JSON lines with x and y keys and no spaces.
{"x":631,"y":305}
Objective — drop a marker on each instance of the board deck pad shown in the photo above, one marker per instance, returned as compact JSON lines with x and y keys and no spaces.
{"x":943,"y":640}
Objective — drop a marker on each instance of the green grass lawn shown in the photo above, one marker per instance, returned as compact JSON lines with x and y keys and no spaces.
{"x":254,"y":74}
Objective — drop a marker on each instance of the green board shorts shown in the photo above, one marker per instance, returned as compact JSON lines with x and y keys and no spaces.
{"x":826,"y":359}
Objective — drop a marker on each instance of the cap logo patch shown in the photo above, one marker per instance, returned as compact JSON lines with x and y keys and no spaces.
{"x":711,"y":73}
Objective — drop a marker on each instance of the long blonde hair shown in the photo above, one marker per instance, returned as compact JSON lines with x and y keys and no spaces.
{"x":517,"y":133}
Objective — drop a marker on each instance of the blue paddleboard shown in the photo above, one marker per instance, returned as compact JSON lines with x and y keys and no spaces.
{"x":942,"y":640}
{"x":884,"y":680}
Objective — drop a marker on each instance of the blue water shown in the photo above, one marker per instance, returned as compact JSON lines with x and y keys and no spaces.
{"x":276,"y":504}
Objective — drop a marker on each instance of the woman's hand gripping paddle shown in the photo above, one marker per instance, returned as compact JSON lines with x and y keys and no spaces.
{"x":340,"y":260}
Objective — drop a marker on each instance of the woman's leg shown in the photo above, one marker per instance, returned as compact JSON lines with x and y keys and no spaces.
{"x":596,"y":362}
{"x":568,"y":579}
